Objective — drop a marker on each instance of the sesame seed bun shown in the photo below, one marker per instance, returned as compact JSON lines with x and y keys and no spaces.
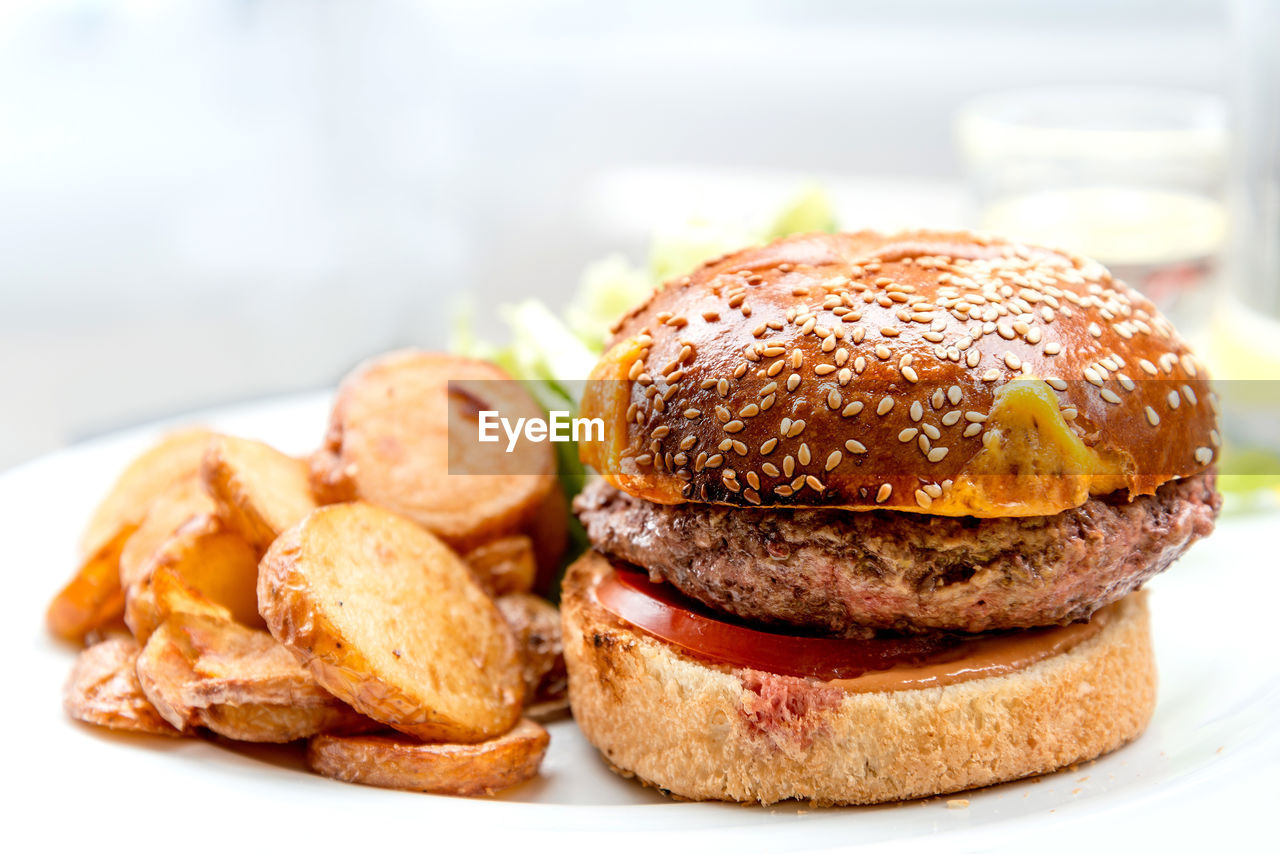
{"x":702,"y":731}
{"x":936,"y":372}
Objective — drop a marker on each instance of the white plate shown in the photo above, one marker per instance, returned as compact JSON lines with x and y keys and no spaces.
{"x":1201,"y":771}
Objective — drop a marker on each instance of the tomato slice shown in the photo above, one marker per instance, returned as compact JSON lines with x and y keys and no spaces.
{"x":662,"y":611}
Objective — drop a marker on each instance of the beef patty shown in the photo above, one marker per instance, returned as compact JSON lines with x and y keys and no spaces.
{"x":844,"y":572}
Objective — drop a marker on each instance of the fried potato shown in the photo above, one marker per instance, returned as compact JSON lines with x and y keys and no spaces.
{"x":203,"y":569}
{"x":505,"y":565}
{"x":390,"y":620}
{"x":103,"y":690}
{"x":170,"y":460}
{"x":549,"y":530}
{"x":260,"y":491}
{"x":536,"y":624}
{"x":93,"y":598}
{"x":200,"y":670}
{"x":184,"y":500}
{"x":399,"y":762}
{"x":389,"y":444}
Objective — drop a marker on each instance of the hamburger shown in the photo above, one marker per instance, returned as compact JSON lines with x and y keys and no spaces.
{"x":874,"y":517}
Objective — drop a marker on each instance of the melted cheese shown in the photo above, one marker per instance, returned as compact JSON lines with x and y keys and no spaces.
{"x":1032,"y":462}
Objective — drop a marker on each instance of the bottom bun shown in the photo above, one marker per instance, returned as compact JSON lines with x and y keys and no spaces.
{"x":708,"y":732}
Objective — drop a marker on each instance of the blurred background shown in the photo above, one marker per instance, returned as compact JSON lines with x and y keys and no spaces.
{"x":210,"y":201}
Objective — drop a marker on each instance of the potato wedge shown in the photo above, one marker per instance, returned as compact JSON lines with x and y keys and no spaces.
{"x":389,"y":443}
{"x":103,"y":690}
{"x":390,"y":620}
{"x":260,"y":491}
{"x":199,"y":670}
{"x":505,"y":565}
{"x":536,"y":624}
{"x":203,"y":555}
{"x":93,"y":598}
{"x":399,"y":762}
{"x":184,"y":500}
{"x":173,"y":458}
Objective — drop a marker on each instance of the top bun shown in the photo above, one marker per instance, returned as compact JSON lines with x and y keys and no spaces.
{"x":935,"y":372}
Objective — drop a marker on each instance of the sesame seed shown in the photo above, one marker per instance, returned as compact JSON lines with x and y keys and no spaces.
{"x":1125,"y":382}
{"x":1173,"y":399}
{"x":660,"y":432}
{"x":749,"y":411}
{"x":954,"y":395}
{"x":972,"y":358}
{"x":1012,"y":361}
{"x":916,"y":411}
{"x":767,"y":402}
{"x":853,"y":446}
{"x":726,"y":444}
{"x":1095,"y":330}
{"x":1052,"y":348}
{"x":923,"y":499}
{"x":768,"y":446}
{"x":933,"y":490}
{"x":923,"y":442}
{"x":844,"y":376}
{"x":972,"y":430}
{"x":834,"y":399}
{"x":770,"y":469}
{"x":1204,"y":455}
{"x":991,"y":375}
{"x":1152,"y":417}
{"x":813,"y":483}
{"x":739,"y":448}
{"x":797,"y":427}
{"x":788,"y":465}
{"x":776,"y":368}
{"x":930,"y":431}
{"x":885,"y":404}
{"x":823,"y":370}
{"x":722,"y":387}
{"x":883,"y":352}
{"x":1070,"y":413}
{"x":723,"y":414}
{"x":852,"y":409}
{"x":833,"y":460}
{"x":752,"y":496}
{"x":1093,"y":377}
{"x":828,"y":343}
{"x":883,"y":493}
{"x":644,"y":459}
{"x":860,"y":364}
{"x":951,"y":418}
{"x":1147,"y":366}
{"x":907,"y":434}
{"x":734,"y":426}
{"x":936,"y":455}
{"x":783,"y":490}
{"x":688,"y":442}
{"x":714,"y":461}
{"x":909,"y":374}
{"x":1189,"y":395}
{"x":793,"y":382}
{"x":753,"y":479}
{"x":803,"y":454}
{"x":1109,"y":396}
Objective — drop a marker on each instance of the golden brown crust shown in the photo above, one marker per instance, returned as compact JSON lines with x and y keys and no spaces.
{"x":389,"y":443}
{"x":388,"y":619}
{"x":258,"y":490}
{"x":398,"y":762}
{"x":710,"y":733}
{"x":864,"y":370}
{"x":103,"y":690}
